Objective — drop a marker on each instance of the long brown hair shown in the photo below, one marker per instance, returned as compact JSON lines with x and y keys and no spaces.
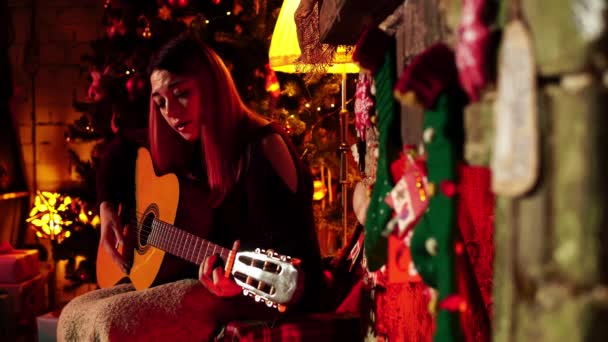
{"x":222,"y":134}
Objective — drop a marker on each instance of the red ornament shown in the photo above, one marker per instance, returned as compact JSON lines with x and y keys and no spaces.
{"x":453,"y":303}
{"x":217,"y":2}
{"x":135,"y":86}
{"x":458,"y":248}
{"x":448,"y":188}
{"x":177,"y":3}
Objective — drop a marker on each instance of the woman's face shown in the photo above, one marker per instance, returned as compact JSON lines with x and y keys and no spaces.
{"x":178,"y":100}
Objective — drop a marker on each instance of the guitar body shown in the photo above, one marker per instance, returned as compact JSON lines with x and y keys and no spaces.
{"x":265,"y":275}
{"x":157,"y":195}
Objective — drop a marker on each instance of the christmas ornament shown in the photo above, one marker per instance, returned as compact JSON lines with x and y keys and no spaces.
{"x":177,"y":3}
{"x":135,"y":87}
{"x":515,"y":158}
{"x":272,"y":82}
{"x":95,"y":92}
{"x":116,"y":27}
{"x":471,"y":48}
{"x":164,"y":13}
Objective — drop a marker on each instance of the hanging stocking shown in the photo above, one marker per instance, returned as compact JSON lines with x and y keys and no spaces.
{"x":471,"y":48}
{"x":389,"y":140}
{"x":427,"y":76}
{"x":432,"y":245}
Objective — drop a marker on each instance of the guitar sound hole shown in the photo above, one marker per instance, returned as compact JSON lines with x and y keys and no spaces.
{"x":146,"y":229}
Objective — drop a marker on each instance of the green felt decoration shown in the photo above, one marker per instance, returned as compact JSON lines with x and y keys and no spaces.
{"x":432,"y":244}
{"x":389,"y":146}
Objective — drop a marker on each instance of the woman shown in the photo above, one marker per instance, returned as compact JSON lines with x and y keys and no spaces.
{"x":240,"y":179}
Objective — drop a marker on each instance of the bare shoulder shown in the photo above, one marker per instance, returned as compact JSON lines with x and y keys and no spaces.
{"x":276,"y":151}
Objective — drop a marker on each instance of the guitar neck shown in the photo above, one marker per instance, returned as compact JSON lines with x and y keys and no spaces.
{"x":183,"y":244}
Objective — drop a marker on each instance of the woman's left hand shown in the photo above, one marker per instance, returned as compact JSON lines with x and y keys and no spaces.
{"x":215,"y":281}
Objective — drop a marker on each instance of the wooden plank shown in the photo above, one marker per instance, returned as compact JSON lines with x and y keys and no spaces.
{"x":565,"y":32}
{"x":580,"y":127}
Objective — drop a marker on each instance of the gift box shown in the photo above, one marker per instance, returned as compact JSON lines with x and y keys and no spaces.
{"x":47,"y":326}
{"x":28,"y":297}
{"x":19,"y":265}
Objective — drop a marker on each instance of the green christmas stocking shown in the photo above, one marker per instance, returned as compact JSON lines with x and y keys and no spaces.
{"x":432,"y":244}
{"x":389,"y":145}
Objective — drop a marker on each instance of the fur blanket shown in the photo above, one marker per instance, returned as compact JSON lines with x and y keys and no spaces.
{"x":178,"y":311}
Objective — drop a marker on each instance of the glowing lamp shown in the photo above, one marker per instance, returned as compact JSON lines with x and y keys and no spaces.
{"x":47,"y":215}
{"x":285,"y":49}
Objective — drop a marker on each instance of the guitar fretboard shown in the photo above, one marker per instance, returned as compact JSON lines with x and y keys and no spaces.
{"x":183,"y":244}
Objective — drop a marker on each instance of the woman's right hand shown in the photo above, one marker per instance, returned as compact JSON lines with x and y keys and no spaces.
{"x":111,"y":234}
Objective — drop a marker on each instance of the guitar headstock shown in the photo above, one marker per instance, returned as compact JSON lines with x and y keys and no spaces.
{"x":268,"y":277}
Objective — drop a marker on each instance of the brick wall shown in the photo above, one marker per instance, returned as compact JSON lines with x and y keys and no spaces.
{"x":64,"y":30}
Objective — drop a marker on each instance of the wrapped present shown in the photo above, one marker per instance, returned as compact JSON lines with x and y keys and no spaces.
{"x":18,"y":265}
{"x":28,"y":297}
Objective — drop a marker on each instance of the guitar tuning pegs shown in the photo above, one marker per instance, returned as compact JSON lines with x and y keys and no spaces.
{"x":269,"y":304}
{"x":245,"y":292}
{"x":281,"y":308}
{"x":270,"y":253}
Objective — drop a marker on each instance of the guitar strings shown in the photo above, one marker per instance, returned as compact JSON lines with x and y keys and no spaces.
{"x":146,"y":230}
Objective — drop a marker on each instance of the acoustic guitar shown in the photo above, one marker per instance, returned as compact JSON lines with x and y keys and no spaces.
{"x":265,"y":275}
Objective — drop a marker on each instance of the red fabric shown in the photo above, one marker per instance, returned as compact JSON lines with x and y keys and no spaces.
{"x":474,"y":318}
{"x":476,"y":223}
{"x":312,"y":327}
{"x":371,"y":48}
{"x":402,"y":313}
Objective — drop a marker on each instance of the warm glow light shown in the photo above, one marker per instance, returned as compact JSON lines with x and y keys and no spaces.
{"x":51,"y":215}
{"x":95,"y":221}
{"x":83,"y":217}
{"x":319,"y":190}
{"x":45,"y":215}
{"x":284,"y":47}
